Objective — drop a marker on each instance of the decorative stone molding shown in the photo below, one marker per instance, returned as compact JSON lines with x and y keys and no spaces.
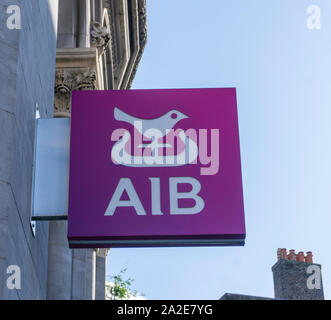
{"x":127,"y":48}
{"x":109,"y":7}
{"x":67,"y":80}
{"x":142,"y":23}
{"x":85,"y":80}
{"x":102,"y":252}
{"x":142,"y":38}
{"x":117,"y":41}
{"x":100,"y":36}
{"x":63,"y":88}
{"x":76,"y":69}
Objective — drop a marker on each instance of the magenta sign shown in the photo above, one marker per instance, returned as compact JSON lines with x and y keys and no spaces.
{"x":155,"y":168}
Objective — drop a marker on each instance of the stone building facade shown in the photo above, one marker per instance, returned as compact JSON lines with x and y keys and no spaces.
{"x":57,"y":46}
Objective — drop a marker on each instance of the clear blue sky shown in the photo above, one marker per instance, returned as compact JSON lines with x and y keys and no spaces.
{"x":282,"y":72}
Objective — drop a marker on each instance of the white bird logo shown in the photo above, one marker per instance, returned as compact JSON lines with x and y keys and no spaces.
{"x":150,"y":129}
{"x":163,"y":123}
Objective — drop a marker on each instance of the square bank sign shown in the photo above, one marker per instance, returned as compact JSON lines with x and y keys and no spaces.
{"x":155,"y":168}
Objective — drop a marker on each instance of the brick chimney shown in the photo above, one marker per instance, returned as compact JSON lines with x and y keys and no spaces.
{"x":296,"y":277}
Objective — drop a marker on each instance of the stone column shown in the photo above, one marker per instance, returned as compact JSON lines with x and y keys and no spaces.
{"x":90,"y":274}
{"x":67,"y":24}
{"x":100,"y":274}
{"x":84,"y":18}
{"x":98,"y":10}
{"x":59,"y":262}
{"x":83,"y":274}
{"x":78,"y":283}
{"x":92,"y":6}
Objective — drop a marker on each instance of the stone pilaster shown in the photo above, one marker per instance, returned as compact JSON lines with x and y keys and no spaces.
{"x":67,"y":24}
{"x":84,"y":19}
{"x":100,"y":273}
{"x":90,"y":273}
{"x":83,"y":274}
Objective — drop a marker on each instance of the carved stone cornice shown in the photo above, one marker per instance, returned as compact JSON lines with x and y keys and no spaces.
{"x":76,"y":69}
{"x":66,"y":81}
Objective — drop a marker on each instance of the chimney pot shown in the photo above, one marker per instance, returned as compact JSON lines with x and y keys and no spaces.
{"x":301,"y":257}
{"x":292,"y":255}
{"x":309,"y":257}
{"x":283,"y":253}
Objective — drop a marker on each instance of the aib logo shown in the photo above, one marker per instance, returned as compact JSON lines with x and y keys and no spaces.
{"x":157,"y":144}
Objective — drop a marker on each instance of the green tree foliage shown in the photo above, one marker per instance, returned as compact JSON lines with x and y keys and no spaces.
{"x":119,"y":288}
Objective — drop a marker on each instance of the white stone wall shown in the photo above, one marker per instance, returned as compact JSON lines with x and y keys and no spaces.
{"x":27,"y":66}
